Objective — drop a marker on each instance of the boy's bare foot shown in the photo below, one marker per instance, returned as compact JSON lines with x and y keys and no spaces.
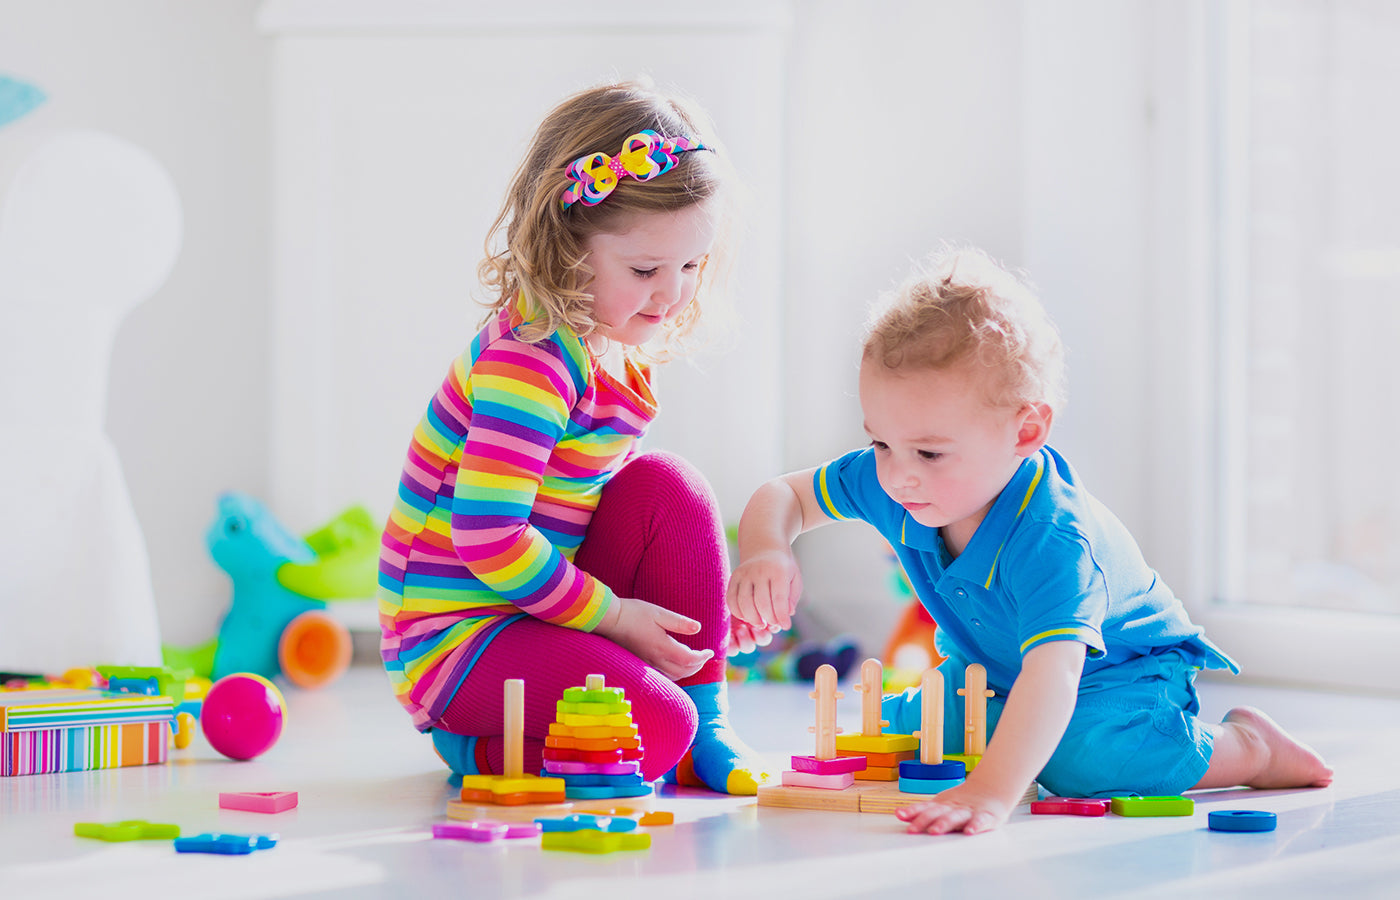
{"x":1286,"y":763}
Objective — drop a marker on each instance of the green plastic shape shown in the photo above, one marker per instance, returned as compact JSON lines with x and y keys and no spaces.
{"x":132,"y":830}
{"x":1152,"y":806}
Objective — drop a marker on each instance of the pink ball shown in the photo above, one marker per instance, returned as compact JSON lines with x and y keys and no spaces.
{"x":242,"y":715}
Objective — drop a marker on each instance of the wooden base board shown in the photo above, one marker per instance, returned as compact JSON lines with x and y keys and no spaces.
{"x":863,"y":796}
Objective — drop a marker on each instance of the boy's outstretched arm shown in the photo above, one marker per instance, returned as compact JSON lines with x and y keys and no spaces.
{"x":1037,"y":711}
{"x":764,"y":588}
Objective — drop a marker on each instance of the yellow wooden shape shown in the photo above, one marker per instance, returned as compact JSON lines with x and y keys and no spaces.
{"x":503,"y":784}
{"x":589,"y":841}
{"x":620,"y":720}
{"x":879,"y":743}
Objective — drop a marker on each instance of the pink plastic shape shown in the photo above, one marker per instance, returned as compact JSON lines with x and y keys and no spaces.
{"x":259,"y":801}
{"x":481,"y":832}
{"x":835,"y":766}
{"x":837,"y":782}
{"x":1069,"y":806}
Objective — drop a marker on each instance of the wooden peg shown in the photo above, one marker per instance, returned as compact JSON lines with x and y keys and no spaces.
{"x":514,"y":727}
{"x":826,"y":696}
{"x":872,"y":680}
{"x":930,"y":731}
{"x":975,"y":694}
{"x":593,"y":683}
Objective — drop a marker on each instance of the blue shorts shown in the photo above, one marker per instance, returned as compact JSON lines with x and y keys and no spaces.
{"x":1134,"y":729}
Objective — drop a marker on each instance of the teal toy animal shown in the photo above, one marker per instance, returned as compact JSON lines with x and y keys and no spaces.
{"x":277,"y":622}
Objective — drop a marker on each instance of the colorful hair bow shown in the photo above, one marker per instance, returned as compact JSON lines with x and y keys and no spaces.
{"x":644,"y":156}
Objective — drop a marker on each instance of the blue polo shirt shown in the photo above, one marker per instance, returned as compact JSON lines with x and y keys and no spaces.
{"x":1048,"y":563}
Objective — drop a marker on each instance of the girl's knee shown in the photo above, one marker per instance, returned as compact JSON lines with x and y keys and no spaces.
{"x":666,"y":724}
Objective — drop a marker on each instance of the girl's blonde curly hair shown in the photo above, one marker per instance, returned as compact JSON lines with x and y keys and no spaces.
{"x":537,"y":247}
{"x":964,"y":308}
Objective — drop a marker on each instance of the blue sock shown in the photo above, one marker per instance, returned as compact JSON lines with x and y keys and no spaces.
{"x":458,"y":751}
{"x":717,"y":757}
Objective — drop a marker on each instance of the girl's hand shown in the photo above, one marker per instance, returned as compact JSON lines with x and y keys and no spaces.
{"x":645,"y":629}
{"x":967,"y":808}
{"x":763,"y":590}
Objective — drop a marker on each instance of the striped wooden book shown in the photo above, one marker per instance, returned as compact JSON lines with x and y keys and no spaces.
{"x":83,"y":749}
{"x":45,"y":731}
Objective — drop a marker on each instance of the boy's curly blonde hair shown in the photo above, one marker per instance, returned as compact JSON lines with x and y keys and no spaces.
{"x":537,"y":247}
{"x":964,"y":308}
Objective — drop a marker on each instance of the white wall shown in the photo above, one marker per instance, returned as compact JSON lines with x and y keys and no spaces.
{"x":1017,"y":126}
{"x":905,"y":127}
{"x":188,"y":393}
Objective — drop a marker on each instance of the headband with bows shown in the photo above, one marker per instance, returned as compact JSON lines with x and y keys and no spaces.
{"x":644,"y":156}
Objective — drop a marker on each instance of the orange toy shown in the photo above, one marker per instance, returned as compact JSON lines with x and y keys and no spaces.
{"x":910,"y":649}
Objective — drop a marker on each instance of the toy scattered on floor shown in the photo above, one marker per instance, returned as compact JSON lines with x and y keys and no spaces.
{"x":259,"y":801}
{"x":277,"y":623}
{"x":485,"y":831}
{"x":132,"y":830}
{"x":1254,"y":820}
{"x":875,"y":788}
{"x":593,"y":745}
{"x":1152,"y":806}
{"x":243,"y":715}
{"x":586,"y":822}
{"x":588,"y":841}
{"x":57,"y":730}
{"x":1069,"y":806}
{"x":226,"y":844}
{"x":514,"y":787}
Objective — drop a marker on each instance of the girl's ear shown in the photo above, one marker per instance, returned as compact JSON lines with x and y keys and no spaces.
{"x":1034,"y":428}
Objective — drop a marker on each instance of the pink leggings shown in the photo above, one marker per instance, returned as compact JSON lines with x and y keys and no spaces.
{"x":655,"y":536}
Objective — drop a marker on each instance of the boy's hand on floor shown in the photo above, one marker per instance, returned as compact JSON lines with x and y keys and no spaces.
{"x":763,"y":591}
{"x":968,"y":808}
{"x":646,"y":629}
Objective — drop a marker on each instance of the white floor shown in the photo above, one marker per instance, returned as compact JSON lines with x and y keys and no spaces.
{"x":370,"y":788}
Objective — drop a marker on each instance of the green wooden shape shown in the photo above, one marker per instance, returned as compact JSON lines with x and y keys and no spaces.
{"x":592,"y":708}
{"x":588,"y":841}
{"x":131,"y":830}
{"x":1152,"y":806}
{"x":584,"y":695}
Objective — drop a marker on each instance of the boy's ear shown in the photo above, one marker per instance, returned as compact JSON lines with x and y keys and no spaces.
{"x":1034,"y":431}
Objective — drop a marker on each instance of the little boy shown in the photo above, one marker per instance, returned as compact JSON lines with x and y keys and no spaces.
{"x":1091,"y":656}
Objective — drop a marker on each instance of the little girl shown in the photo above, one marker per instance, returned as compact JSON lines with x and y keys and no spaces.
{"x":530,"y":537}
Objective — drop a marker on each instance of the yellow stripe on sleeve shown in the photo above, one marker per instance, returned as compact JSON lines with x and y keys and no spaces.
{"x":825,"y":496}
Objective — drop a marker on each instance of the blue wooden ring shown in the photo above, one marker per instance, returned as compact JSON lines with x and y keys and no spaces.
{"x":943,"y":771}
{"x":1242,"y":820}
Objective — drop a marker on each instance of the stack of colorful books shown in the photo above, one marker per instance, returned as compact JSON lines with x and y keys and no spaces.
{"x":45,"y":731}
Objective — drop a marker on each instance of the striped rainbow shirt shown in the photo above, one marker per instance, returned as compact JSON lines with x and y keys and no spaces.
{"x":502,"y":476}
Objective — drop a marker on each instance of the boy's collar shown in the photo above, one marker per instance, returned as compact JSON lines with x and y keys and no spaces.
{"x":978,"y":561}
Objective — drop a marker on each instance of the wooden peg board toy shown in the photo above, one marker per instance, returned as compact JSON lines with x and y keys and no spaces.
{"x":878,"y":796}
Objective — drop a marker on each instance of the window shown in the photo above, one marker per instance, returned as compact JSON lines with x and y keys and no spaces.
{"x":1307,"y":187}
